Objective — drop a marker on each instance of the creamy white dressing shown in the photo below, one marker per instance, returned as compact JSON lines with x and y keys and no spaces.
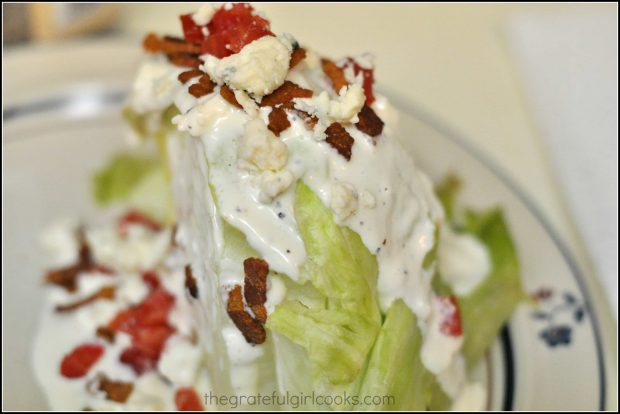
{"x":242,"y":355}
{"x":180,"y":361}
{"x":463,"y":261}
{"x":60,"y":242}
{"x":472,"y":397}
{"x":60,"y":333}
{"x":438,"y":348}
{"x":141,"y":249}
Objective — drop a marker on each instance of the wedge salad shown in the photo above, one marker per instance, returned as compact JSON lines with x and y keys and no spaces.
{"x":270,"y":237}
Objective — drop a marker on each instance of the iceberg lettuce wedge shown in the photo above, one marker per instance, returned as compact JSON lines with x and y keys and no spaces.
{"x":337,"y":333}
{"x":395,"y":378}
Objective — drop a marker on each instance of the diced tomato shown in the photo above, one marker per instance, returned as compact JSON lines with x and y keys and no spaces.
{"x":138,"y":360}
{"x":147,"y":324}
{"x":215,"y":45}
{"x":151,"y":279}
{"x":451,"y":316}
{"x":193,"y":32}
{"x":124,"y":321}
{"x":151,"y":339}
{"x":228,"y":31}
{"x":186,"y":399}
{"x":78,"y":362}
{"x":368,"y":79}
{"x":135,"y":217}
{"x":155,"y":308}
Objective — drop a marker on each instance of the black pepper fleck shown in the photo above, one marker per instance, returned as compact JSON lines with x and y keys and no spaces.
{"x":288,"y":251}
{"x":281,"y":215}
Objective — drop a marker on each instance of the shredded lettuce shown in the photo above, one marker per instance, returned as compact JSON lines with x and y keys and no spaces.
{"x":338,"y":332}
{"x":395,"y":378}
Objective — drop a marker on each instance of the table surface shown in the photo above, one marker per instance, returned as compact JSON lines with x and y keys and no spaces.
{"x":453,"y":60}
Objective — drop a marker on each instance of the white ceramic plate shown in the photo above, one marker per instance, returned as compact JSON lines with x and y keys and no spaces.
{"x":62,"y":121}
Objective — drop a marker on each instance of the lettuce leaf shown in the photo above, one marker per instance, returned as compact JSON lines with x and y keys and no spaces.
{"x":395,"y":378}
{"x":136,"y":180}
{"x":338,"y":332}
{"x":490,"y":304}
{"x":146,"y":125}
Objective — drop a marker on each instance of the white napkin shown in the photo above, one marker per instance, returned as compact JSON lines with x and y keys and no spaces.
{"x":569,"y":66}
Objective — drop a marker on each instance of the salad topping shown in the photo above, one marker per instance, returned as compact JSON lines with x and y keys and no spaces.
{"x":112,"y":335}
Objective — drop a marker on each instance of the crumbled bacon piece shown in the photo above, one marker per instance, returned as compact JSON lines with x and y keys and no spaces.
{"x":151,"y":43}
{"x":186,"y":399}
{"x":255,"y":286}
{"x":309,"y":120}
{"x":285,"y":93}
{"x":134,"y":217}
{"x":451,"y":316}
{"x":197,"y":90}
{"x":334,"y":73}
{"x":297,"y":56}
{"x":118,"y":391}
{"x":78,"y":362}
{"x":369,"y":122}
{"x":278,"y":121}
{"x":168,"y":45}
{"x":340,"y":140}
{"x":252,"y":330}
{"x":67,"y":277}
{"x":190,"y":282}
{"x":229,"y":95}
{"x":185,"y":77}
{"x":185,"y":60}
{"x":106,"y":334}
{"x":205,"y":80}
{"x":106,"y":292}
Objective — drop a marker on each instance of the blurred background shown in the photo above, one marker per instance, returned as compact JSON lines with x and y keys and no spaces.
{"x":532,"y":86}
